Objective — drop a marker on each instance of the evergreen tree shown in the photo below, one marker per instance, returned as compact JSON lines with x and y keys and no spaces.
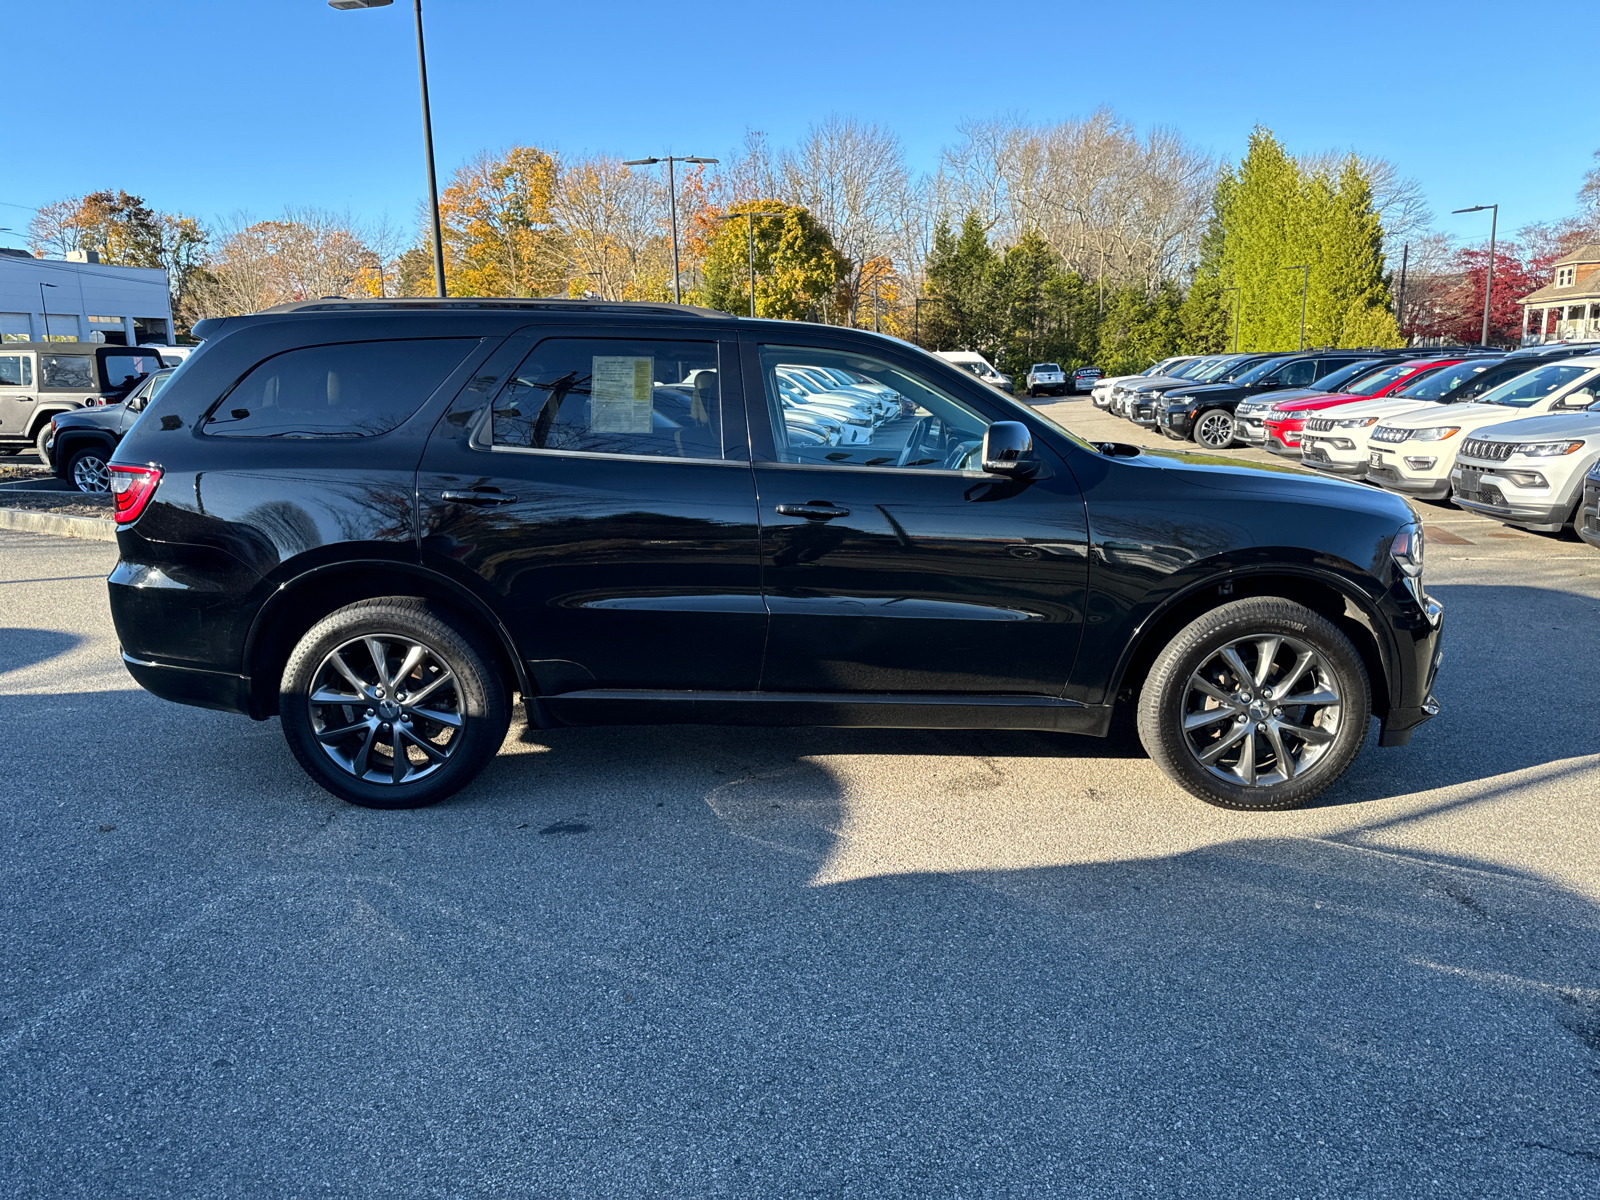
{"x":1204,"y":316}
{"x":960,"y":276}
{"x":1261,"y":238}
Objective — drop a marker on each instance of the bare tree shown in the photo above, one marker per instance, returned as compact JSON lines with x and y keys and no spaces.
{"x":852,"y":178}
{"x":613,"y":224}
{"x":305,"y":254}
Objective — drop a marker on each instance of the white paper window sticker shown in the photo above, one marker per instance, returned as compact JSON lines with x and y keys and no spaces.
{"x":620,"y":394}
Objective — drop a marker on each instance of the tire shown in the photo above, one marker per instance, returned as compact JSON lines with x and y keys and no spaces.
{"x":38,"y":443}
{"x":87,"y":471}
{"x":1173,"y":706}
{"x":466,"y":694}
{"x":1213,"y":429}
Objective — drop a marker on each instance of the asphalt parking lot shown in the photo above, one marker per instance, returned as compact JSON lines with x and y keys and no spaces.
{"x":702,"y":962}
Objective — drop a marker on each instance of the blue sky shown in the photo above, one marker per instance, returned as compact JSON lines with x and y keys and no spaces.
{"x":225,"y":105}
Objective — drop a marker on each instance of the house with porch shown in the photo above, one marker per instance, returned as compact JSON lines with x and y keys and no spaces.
{"x":1567,"y":309}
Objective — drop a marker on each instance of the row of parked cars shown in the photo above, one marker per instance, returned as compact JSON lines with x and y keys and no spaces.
{"x":1514,"y":436}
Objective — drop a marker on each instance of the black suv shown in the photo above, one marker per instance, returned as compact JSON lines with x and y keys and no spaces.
{"x":380,"y":519}
{"x":79,"y":444}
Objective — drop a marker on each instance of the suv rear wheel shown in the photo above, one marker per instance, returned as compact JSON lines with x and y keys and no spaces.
{"x":389,"y":704}
{"x":88,"y":470}
{"x":1259,"y":704}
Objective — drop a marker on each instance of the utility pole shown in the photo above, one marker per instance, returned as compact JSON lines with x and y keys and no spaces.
{"x":1488,"y":279}
{"x":1400,"y":299}
{"x":672,"y":205}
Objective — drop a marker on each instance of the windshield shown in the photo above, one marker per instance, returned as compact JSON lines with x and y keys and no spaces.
{"x":1261,"y":369}
{"x":1190,"y":369}
{"x":1379,"y":380}
{"x":1533,"y":385}
{"x":1332,"y":381}
{"x":1213,"y":371}
{"x":1435,"y":384}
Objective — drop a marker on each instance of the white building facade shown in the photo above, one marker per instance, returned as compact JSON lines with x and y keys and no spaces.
{"x":52,"y":299}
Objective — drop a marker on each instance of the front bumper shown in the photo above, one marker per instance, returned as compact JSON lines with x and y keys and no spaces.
{"x":1588,"y":522}
{"x":1250,"y":430}
{"x":1393,"y":478}
{"x":1176,"y":423}
{"x":1419,"y":635}
{"x":1484,"y":492}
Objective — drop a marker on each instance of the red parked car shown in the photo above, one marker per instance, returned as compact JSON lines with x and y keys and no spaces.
{"x":1285,"y":421}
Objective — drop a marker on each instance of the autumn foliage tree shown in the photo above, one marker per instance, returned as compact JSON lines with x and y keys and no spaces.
{"x":796,"y":264}
{"x":498,"y":234}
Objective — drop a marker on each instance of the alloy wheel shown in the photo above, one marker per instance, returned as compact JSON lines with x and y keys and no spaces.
{"x":386,"y":709}
{"x":1261,"y":710}
{"x":1215,"y":430}
{"x":90,"y":474}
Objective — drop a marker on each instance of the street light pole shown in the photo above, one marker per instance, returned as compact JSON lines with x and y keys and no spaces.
{"x":1488,"y":279}
{"x":45,"y":309}
{"x":1400,"y":298}
{"x":751,"y":215}
{"x":1305,"y":286}
{"x":427,"y":131}
{"x":672,"y":204}
{"x":1236,"y":301}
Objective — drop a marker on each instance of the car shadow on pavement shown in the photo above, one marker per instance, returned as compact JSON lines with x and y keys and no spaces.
{"x":20,"y":648}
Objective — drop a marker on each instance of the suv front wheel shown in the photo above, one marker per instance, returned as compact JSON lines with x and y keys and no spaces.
{"x":1214,"y":429}
{"x":389,"y":704}
{"x":1259,"y":704}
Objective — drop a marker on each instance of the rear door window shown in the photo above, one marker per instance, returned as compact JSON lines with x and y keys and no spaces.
{"x":353,"y":389}
{"x":1298,"y":374}
{"x":614,"y":396}
{"x":125,"y":370}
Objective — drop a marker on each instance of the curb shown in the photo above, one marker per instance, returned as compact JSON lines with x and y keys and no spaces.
{"x":92,"y":528}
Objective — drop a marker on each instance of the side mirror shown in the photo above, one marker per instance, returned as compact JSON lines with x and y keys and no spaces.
{"x":1008,"y":450}
{"x":1577,"y":400}
{"x":1269,"y":383}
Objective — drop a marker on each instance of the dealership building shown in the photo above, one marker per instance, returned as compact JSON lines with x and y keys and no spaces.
{"x":80,"y":299}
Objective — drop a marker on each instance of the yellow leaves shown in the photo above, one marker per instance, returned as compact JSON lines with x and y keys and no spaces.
{"x":497,"y":227}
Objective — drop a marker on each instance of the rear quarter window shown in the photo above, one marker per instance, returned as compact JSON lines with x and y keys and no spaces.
{"x":348,"y":390}
{"x":67,"y":372}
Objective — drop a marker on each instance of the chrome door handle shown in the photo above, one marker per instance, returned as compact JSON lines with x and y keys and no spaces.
{"x":812,"y":511}
{"x":476,"y":497}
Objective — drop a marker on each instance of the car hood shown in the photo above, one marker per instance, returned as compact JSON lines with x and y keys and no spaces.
{"x":1387,"y":407}
{"x":1266,"y":479}
{"x":1549,"y":427}
{"x":1203,"y":391}
{"x":1468,"y":416}
{"x":107,"y":417}
{"x":1317,"y":402}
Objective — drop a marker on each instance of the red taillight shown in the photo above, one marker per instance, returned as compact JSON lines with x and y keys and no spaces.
{"x":131,"y":489}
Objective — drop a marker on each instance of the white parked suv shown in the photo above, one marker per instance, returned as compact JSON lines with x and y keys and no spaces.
{"x":1413,"y":453}
{"x":1529,"y":473}
{"x":1101,"y":393}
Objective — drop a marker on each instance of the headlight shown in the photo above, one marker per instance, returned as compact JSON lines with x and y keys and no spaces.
{"x":1437,"y":434}
{"x":1548,"y":449}
{"x":1406,"y":550}
{"x":1356,"y":423}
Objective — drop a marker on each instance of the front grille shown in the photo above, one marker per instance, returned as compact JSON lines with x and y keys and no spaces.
{"x":1488,"y":451}
{"x":1320,"y":424}
{"x":1388,"y":433}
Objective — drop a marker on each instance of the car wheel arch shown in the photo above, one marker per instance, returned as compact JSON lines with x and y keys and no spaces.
{"x":300,"y":602}
{"x":70,"y":441}
{"x":1323,"y":592}
{"x":41,"y":416}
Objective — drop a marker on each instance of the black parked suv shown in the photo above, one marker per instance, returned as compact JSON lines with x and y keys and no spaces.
{"x":1205,"y":414}
{"x":380,"y":519}
{"x":78,"y":445}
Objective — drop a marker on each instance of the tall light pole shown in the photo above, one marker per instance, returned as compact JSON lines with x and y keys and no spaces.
{"x":1400,"y":298}
{"x":672,"y":204}
{"x":751,"y":215}
{"x":1305,"y":286}
{"x":1236,"y":302}
{"x":45,"y":309}
{"x":427,"y":131}
{"x":1488,"y":280}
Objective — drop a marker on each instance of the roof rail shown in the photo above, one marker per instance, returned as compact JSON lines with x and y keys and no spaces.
{"x":535,"y":303}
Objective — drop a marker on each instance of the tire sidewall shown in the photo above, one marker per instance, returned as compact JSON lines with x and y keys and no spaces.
{"x":483,"y":699}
